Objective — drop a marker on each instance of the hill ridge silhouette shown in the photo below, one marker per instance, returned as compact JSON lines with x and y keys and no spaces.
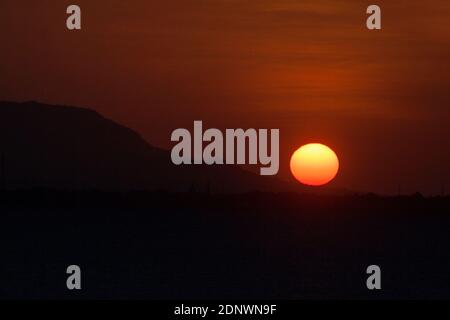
{"x":71,"y":147}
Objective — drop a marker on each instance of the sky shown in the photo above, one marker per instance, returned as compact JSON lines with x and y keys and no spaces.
{"x":311,"y":68}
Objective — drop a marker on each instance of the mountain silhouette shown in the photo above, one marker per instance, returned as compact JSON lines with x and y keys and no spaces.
{"x":76,"y":148}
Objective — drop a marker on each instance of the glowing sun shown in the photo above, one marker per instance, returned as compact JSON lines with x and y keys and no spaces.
{"x":314,"y":164}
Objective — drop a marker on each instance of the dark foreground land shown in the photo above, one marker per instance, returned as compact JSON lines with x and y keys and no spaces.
{"x":251,"y":246}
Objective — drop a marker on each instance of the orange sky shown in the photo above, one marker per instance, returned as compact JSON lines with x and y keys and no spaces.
{"x":381,"y":100}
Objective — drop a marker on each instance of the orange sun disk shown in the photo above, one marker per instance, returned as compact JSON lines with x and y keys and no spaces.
{"x":314,"y":164}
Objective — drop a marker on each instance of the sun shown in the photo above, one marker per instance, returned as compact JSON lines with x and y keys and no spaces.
{"x":314,"y":164}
